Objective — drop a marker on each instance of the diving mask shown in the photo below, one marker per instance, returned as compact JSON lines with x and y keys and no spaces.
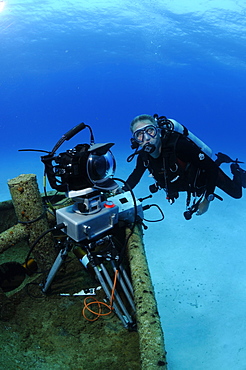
{"x":150,"y":131}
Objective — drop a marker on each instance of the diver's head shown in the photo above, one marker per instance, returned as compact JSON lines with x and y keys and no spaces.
{"x":147,"y":134}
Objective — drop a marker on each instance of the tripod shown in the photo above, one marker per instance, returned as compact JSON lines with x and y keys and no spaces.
{"x":97,"y":256}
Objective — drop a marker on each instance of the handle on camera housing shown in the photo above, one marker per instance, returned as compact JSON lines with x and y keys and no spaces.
{"x":49,"y":171}
{"x":47,"y":159}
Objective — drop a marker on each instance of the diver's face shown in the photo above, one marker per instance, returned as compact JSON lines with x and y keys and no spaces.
{"x":144,"y":132}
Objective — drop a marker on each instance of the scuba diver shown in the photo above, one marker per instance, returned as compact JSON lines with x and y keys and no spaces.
{"x":179,"y":161}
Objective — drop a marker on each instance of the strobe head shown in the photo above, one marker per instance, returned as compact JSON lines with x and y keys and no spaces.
{"x":82,"y":167}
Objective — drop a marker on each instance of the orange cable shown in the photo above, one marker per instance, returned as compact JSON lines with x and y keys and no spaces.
{"x":99,"y":304}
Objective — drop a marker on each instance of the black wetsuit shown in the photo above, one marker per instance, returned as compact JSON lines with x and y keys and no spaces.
{"x":188,"y":169}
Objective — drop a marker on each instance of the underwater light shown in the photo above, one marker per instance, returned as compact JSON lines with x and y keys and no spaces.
{"x":2,"y":5}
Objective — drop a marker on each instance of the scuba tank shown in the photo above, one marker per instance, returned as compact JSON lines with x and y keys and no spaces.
{"x":169,"y":125}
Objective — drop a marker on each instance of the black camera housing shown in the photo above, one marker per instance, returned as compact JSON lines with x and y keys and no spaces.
{"x":82,"y":167}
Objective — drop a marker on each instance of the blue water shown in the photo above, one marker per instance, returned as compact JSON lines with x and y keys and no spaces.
{"x":104,"y":62}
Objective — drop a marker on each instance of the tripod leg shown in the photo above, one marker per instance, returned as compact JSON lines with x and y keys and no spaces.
{"x":127,"y":280}
{"x":118,"y":299}
{"x":125,"y":284}
{"x":57,"y":264}
{"x":108,"y":294}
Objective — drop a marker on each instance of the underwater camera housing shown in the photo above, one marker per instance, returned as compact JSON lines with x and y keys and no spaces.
{"x":82,"y":167}
{"x":85,"y":174}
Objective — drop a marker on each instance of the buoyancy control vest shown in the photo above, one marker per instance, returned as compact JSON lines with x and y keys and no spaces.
{"x":170,"y":125}
{"x":177,"y":174}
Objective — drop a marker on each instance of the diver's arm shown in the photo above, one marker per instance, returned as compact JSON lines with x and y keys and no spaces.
{"x":136,"y":174}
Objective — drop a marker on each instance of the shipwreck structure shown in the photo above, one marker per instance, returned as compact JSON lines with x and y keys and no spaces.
{"x":24,"y":219}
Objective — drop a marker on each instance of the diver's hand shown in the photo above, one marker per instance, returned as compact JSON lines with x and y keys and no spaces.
{"x":203,"y":207}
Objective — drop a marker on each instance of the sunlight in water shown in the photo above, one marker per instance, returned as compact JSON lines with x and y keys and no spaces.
{"x":2,"y":5}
